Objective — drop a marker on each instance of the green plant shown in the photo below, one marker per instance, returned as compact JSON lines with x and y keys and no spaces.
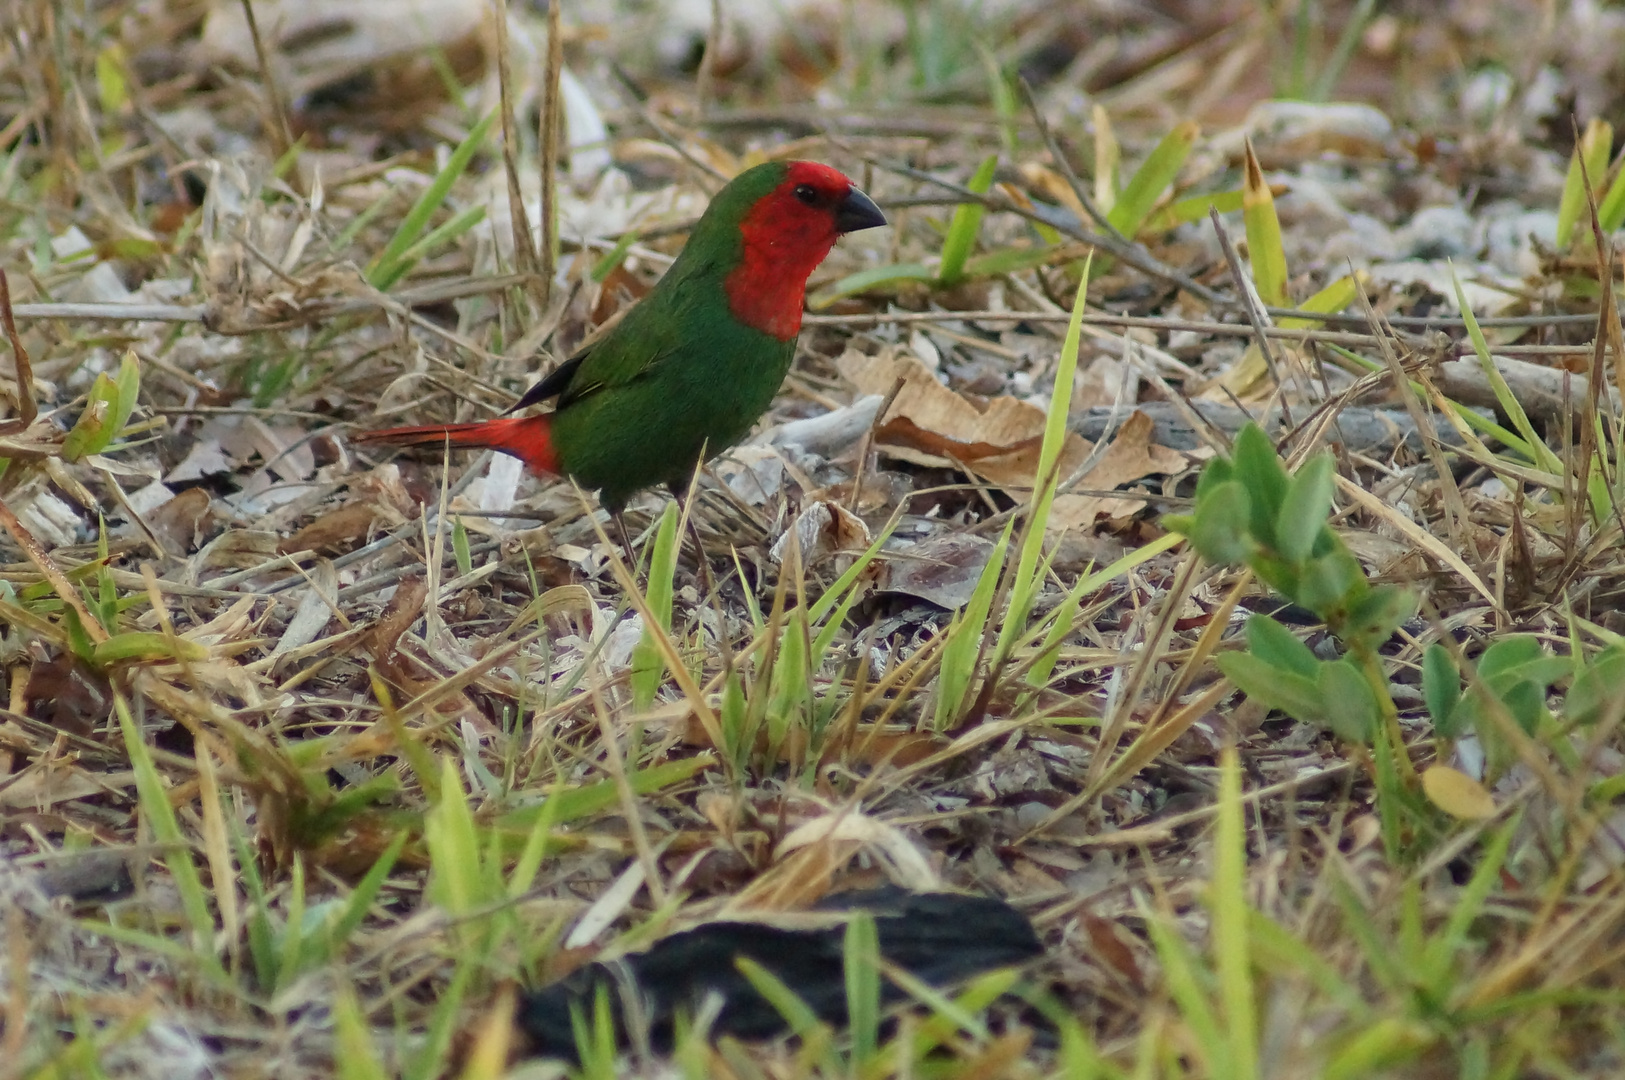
{"x":1250,"y":512}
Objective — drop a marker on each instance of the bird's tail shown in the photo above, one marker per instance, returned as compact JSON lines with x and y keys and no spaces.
{"x":528,"y":438}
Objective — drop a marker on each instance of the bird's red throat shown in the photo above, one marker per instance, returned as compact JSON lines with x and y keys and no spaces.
{"x":783,"y":245}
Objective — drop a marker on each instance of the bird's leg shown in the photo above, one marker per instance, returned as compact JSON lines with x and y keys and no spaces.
{"x":626,"y":542}
{"x":684,"y":503}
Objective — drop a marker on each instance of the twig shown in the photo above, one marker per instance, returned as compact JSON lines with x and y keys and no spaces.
{"x":1133,"y":254}
{"x":549,"y":150}
{"x":1254,"y":305}
{"x":26,"y":408}
{"x":281,"y":133}
{"x":705,"y":78}
{"x":524,"y":250}
{"x":1079,"y":192}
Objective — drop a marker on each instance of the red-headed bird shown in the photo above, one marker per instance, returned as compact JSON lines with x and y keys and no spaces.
{"x":693,"y":365}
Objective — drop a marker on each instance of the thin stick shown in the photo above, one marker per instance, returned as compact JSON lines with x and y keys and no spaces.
{"x":524,"y":249}
{"x":549,"y":150}
{"x":26,"y":407}
{"x":1079,"y":192}
{"x":281,"y":134}
{"x":705,"y":78}
{"x":1254,"y":306}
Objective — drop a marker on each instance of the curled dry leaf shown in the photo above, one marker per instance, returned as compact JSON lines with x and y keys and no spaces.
{"x":821,"y":530}
{"x":929,"y":424}
{"x":180,"y":523}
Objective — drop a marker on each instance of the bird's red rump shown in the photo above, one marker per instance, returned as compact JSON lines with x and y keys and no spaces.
{"x":528,"y":438}
{"x":785,"y":238}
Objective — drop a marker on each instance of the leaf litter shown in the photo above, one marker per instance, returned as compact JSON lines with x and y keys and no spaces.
{"x":391,"y":753}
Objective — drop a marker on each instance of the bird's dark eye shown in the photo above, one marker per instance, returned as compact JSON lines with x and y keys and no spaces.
{"x":806,"y":194}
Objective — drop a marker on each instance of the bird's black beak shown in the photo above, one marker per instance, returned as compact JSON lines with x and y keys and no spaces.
{"x":857,"y":211}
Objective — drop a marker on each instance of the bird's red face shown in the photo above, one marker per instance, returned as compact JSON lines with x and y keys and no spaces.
{"x":786,"y":235}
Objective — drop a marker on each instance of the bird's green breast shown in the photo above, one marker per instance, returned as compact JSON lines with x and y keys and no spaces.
{"x":705,"y":390}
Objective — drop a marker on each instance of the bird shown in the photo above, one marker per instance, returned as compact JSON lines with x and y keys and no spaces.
{"x":691,"y":367}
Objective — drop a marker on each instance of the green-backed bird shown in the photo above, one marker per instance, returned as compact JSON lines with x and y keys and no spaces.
{"x":692,"y":366}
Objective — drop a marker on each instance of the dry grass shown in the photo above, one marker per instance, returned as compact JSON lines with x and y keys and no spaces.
{"x":309,"y":756}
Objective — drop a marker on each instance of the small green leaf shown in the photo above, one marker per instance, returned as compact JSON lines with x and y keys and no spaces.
{"x":1525,"y":701}
{"x":459,"y":547}
{"x":1373,"y":618}
{"x":1259,"y":470}
{"x":1279,"y":647}
{"x":1599,"y":690}
{"x":1331,"y":583}
{"x":1441,"y":690}
{"x":1507,"y":653}
{"x":1351,"y":707}
{"x":1219,"y":531}
{"x":1303,"y":511}
{"x":1294,"y":694}
{"x":111,"y":87}
{"x":1218,"y":471}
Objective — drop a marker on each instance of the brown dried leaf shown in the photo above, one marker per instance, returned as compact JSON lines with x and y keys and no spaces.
{"x":929,"y":424}
{"x":942,"y":570}
{"x":1132,"y":455}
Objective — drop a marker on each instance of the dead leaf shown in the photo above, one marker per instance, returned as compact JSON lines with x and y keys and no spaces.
{"x":180,"y":523}
{"x":942,"y":570}
{"x":1132,"y":455}
{"x":929,"y":424}
{"x":335,"y":532}
{"x":1457,"y":794}
{"x":823,"y":529}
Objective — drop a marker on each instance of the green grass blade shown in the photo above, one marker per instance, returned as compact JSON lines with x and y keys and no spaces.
{"x":1195,"y":208}
{"x":455,"y":880}
{"x":861,"y":953}
{"x":365,"y":892}
{"x":1540,"y":453}
{"x":166,"y":831}
{"x":797,"y":1014}
{"x":356,"y":1055}
{"x":1232,"y":954}
{"x":1333,"y":298}
{"x":964,"y":225}
{"x":1027,"y":581}
{"x":1139,"y":196}
{"x":1264,"y":246}
{"x":459,"y":223}
{"x":1593,"y":149}
{"x":1183,"y":979}
{"x":1611,"y":211}
{"x":390,"y":264}
{"x":875,"y":277}
{"x":963,"y":638}
{"x":648,"y":666}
